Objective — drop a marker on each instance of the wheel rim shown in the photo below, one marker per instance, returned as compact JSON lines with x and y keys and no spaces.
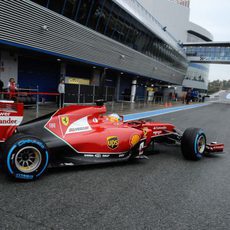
{"x":201,"y":143}
{"x":28,"y":159}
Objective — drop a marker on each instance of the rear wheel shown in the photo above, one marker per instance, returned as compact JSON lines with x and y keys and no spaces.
{"x":25,"y":157}
{"x":193,"y":143}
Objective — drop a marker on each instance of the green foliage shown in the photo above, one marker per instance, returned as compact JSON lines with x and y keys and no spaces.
{"x":218,"y":85}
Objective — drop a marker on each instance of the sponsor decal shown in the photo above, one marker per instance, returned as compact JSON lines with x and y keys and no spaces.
{"x":112,"y":142}
{"x":52,"y":125}
{"x":65,"y":120}
{"x":145,"y":131}
{"x":66,"y":164}
{"x":5,"y":114}
{"x":69,"y":164}
{"x":77,"y":129}
{"x":97,"y":155}
{"x":78,"y":126}
{"x":88,"y":155}
{"x":28,"y":141}
{"x":24,"y":176}
{"x":160,"y":127}
{"x":95,"y":120}
{"x":134,"y":139}
{"x":141,"y":148}
{"x":157,"y":133}
{"x":10,"y":121}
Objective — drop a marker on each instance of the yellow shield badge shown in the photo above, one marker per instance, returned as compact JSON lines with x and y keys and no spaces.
{"x":65,"y":121}
{"x":112,"y":142}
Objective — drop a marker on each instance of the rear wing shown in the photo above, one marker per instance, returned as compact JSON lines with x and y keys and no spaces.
{"x":11,"y":115}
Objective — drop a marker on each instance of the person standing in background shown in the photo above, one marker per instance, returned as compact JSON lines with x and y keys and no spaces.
{"x":61,"y":91}
{"x":188,"y":96}
{"x":12,"y":88}
{"x":1,"y":88}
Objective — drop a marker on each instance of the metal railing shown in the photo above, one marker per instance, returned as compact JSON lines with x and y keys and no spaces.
{"x":28,"y":96}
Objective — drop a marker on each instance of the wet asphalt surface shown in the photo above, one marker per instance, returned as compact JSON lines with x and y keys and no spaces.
{"x":163,"y":192}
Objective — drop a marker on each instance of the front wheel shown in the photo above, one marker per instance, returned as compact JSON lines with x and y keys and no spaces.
{"x":193,"y":143}
{"x":25,"y":157}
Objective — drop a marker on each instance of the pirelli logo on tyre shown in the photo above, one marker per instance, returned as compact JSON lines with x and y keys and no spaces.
{"x":112,"y":142}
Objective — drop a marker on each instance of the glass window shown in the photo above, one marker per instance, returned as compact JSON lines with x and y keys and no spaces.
{"x":115,"y":20}
{"x":91,"y":17}
{"x":56,"y":6}
{"x":41,"y":2}
{"x":108,"y":18}
{"x":82,"y":11}
{"x":123,"y":27}
{"x":118,"y":32}
{"x":227,"y":51}
{"x":109,"y":5}
{"x":102,"y":15}
{"x":111,"y":23}
{"x":137,"y":39}
{"x":130,"y":32}
{"x":70,"y":8}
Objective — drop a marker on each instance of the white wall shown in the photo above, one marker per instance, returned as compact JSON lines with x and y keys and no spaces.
{"x":170,"y":14}
{"x":200,"y":30}
{"x":9,"y":66}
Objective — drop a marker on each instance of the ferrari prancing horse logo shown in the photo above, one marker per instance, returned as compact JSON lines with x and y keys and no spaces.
{"x":65,"y":121}
{"x":112,"y":142}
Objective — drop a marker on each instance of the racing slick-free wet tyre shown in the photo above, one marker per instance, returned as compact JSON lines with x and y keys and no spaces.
{"x":193,"y":143}
{"x":25,"y":157}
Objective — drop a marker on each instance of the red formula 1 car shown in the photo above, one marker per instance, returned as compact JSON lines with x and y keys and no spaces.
{"x":77,"y":135}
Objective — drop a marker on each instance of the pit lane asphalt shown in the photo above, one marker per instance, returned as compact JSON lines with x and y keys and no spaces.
{"x":164,"y":192}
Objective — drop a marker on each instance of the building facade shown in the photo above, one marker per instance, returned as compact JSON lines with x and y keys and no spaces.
{"x":185,"y":31}
{"x":197,"y":74}
{"x":125,"y":45}
{"x":182,"y":2}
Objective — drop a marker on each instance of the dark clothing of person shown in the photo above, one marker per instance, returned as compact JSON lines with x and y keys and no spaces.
{"x":1,"y":89}
{"x":188,"y":97}
{"x":1,"y":85}
{"x":60,"y":100}
{"x":61,"y":91}
{"x":12,"y":91}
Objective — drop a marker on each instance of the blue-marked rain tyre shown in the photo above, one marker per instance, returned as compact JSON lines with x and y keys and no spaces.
{"x":25,"y":157}
{"x":193,"y":143}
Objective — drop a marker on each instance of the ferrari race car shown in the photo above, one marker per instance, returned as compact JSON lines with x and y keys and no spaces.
{"x":77,"y":135}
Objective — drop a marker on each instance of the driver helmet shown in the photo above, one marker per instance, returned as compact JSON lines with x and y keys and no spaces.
{"x":114,"y":117}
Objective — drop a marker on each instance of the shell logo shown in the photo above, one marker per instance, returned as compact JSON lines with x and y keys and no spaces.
{"x":134,"y":139}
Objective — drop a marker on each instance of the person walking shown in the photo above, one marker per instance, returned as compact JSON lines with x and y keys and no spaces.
{"x":12,"y":88}
{"x":61,"y":91}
